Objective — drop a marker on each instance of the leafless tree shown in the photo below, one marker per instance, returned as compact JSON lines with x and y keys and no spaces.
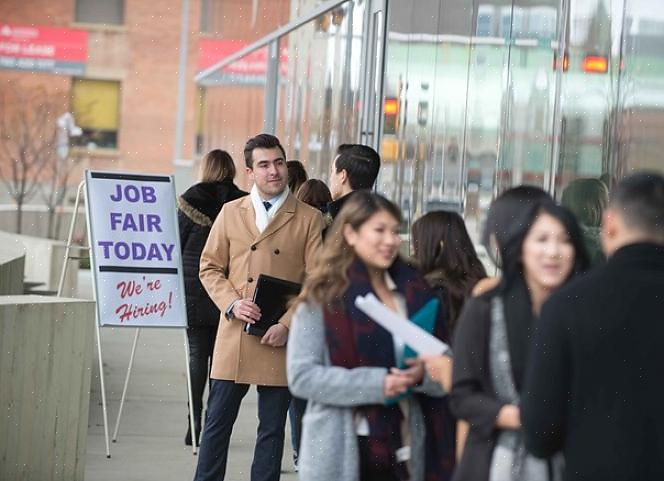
{"x":57,"y":173}
{"x":27,"y":140}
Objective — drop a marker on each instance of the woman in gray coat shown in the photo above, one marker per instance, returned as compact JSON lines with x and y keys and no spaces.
{"x":372,"y":412}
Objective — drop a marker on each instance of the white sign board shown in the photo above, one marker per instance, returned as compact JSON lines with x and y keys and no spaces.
{"x":135,"y":250}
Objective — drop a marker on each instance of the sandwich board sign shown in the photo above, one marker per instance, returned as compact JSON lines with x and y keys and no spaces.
{"x":135,"y":249}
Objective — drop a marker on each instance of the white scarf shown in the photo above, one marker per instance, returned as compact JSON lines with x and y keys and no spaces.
{"x":263,"y":217}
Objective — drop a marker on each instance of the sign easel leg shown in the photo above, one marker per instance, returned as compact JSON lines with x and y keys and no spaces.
{"x":103,"y":391}
{"x":194,"y":438}
{"x":126,"y":384}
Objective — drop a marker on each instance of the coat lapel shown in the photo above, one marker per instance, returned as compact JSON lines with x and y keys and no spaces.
{"x":249,"y":217}
{"x":285,"y":214}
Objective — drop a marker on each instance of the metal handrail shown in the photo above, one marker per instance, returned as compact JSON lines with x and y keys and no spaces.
{"x":269,"y":38}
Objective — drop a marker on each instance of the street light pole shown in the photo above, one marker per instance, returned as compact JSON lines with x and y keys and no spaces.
{"x":182,"y":83}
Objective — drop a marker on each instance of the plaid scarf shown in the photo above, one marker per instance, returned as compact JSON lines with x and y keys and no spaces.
{"x":354,"y":340}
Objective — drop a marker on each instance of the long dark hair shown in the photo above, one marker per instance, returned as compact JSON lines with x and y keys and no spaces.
{"x":513,"y":289}
{"x":512,"y":245}
{"x":217,"y":165}
{"x":297,"y":175}
{"x":446,"y":256}
{"x":507,"y":215}
{"x":315,"y":193}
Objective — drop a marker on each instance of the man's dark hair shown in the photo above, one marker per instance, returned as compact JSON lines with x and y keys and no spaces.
{"x":639,"y":198}
{"x":261,"y":141}
{"x":360,"y":162}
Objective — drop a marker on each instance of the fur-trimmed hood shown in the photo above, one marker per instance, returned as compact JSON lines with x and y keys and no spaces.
{"x":202,"y":202}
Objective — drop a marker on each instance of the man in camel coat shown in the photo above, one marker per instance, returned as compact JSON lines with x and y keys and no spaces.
{"x":268,"y":232}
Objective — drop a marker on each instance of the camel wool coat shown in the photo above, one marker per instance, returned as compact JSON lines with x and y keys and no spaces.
{"x":232,"y":259}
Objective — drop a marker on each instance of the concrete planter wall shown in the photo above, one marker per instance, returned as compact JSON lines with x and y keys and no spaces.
{"x":12,"y":265}
{"x":46,"y":355}
{"x":43,"y":261}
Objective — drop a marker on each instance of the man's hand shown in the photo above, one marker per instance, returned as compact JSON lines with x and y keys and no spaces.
{"x":276,"y":336}
{"x":247,"y":311}
{"x":439,"y":369}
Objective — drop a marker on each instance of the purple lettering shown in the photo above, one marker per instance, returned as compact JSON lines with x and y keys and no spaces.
{"x":153,"y":253}
{"x":117,"y":196}
{"x":138,"y":251}
{"x":132,"y":193}
{"x":168,"y":248}
{"x":149,"y":196}
{"x":153,"y":221}
{"x":121,"y":250}
{"x":106,"y":245}
{"x":116,"y":218}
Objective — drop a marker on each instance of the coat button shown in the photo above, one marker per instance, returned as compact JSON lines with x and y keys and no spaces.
{"x":251,"y":279}
{"x":276,"y":251}
{"x":253,"y":248}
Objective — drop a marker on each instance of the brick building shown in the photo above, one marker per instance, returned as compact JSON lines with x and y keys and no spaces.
{"x":121,"y":81}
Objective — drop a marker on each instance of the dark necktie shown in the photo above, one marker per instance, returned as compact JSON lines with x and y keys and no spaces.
{"x":267,"y":205}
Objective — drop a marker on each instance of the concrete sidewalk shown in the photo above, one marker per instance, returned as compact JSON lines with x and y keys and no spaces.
{"x":150,"y":444}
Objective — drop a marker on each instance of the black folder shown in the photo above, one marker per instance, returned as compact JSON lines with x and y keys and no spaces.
{"x":272,"y":296}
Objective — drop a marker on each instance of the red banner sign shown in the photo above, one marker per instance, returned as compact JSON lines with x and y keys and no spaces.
{"x":251,"y":68}
{"x":43,"y":49}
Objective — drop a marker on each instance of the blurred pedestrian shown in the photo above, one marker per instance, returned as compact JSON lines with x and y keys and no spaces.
{"x":315,"y":193}
{"x":540,"y":248}
{"x":297,"y":175}
{"x":587,"y":199}
{"x":505,"y":213}
{"x":372,"y":414}
{"x":355,"y":167}
{"x":594,"y":385}
{"x":446,"y":256}
{"x":198,"y":208}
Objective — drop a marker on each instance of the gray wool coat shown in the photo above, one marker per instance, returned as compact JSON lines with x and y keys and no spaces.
{"x":328,"y":446}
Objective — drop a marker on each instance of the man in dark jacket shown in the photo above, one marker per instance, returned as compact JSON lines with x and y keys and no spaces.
{"x":594,"y":387}
{"x":355,"y":167}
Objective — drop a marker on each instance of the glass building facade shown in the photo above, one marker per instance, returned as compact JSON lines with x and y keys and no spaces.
{"x":463,"y":99}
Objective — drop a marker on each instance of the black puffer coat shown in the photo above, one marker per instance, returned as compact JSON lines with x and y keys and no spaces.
{"x":197,"y":209}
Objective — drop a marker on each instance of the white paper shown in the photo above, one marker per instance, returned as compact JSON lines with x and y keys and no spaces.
{"x":417,"y":338}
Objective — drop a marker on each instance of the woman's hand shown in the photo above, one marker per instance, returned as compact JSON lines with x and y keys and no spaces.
{"x":439,"y":369}
{"x":395,"y":384}
{"x":509,"y":417}
{"x":415,"y":373}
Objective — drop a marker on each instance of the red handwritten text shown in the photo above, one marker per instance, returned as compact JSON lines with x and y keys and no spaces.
{"x":133,"y":288}
{"x":126,"y":312}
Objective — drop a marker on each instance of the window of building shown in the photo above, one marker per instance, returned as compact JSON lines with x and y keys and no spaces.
{"x":212,"y":16}
{"x":100,"y":11}
{"x":96,"y":107}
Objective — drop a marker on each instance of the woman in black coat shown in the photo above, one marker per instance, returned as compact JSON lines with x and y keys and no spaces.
{"x":197,"y":209}
{"x":540,"y":248}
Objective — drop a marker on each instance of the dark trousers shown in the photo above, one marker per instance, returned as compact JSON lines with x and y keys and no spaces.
{"x":223,"y":405}
{"x":295,"y":413}
{"x":201,"y":347}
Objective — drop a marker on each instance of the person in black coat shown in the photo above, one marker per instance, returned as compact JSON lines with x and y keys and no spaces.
{"x":540,"y":248}
{"x":197,"y":209}
{"x":445,"y":254}
{"x":355,"y":167}
{"x":594,"y":387}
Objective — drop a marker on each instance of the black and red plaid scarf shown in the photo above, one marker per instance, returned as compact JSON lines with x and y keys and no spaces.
{"x":354,"y":340}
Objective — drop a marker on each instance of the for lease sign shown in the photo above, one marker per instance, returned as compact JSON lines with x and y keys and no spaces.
{"x":134,"y":244}
{"x":43,"y":49}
